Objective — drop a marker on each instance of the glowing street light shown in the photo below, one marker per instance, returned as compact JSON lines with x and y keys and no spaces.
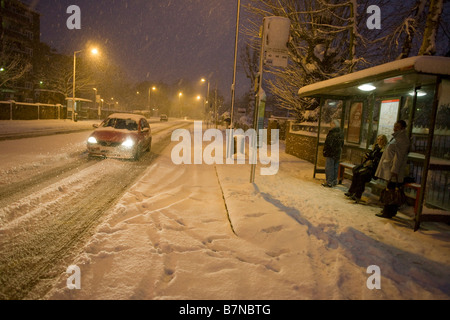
{"x":207,"y":95}
{"x":93,"y":52}
{"x":149,"y":97}
{"x":180,"y":95}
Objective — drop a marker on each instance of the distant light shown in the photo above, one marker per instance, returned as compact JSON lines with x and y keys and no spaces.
{"x":367,"y":87}
{"x":94,"y":51}
{"x":419,"y":93}
{"x":2,"y":69}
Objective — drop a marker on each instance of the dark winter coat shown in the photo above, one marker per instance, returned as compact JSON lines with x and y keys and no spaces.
{"x":375,"y":157}
{"x":367,"y":169}
{"x":334,"y":144}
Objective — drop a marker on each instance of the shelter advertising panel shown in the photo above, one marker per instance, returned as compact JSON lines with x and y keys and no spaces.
{"x":354,"y":123}
{"x":388,"y":117}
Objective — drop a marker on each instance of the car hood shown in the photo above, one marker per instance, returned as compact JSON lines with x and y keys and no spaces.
{"x":112,"y":135}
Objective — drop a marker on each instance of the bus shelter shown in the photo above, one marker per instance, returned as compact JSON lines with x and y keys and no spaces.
{"x":369,"y":102}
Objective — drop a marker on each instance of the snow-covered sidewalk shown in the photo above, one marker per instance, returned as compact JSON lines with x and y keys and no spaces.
{"x":24,"y":129}
{"x":285,"y":237}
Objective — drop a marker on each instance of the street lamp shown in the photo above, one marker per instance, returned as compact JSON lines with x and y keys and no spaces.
{"x":93,"y":52}
{"x":233,"y":86}
{"x":181,"y":105}
{"x":208,"y":91}
{"x":149,"y":97}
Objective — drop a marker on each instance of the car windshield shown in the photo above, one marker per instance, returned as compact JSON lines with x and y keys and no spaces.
{"x":126,"y":124}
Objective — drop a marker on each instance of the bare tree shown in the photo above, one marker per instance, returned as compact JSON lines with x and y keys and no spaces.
{"x":250,"y":63}
{"x":330,"y":38}
{"x":432,"y":27}
{"x":412,"y":30}
{"x":56,"y":72}
{"x":324,"y":44}
{"x":13,"y":68}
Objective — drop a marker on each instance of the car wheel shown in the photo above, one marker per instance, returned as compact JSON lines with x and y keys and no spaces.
{"x":149,"y":148}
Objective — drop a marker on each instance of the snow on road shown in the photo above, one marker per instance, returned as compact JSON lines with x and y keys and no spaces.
{"x":172,"y":236}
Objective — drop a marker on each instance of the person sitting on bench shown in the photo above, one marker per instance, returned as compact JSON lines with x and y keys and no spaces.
{"x":365,"y":172}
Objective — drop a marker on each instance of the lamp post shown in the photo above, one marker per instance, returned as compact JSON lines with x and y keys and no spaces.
{"x":73,"y":83}
{"x":99,"y":109}
{"x":207,"y":101}
{"x":181,"y":105}
{"x":233,"y":86}
{"x":149,"y":97}
{"x":94,"y":52}
{"x":207,"y":95}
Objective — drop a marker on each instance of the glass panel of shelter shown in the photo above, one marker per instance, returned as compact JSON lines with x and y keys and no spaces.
{"x":437,"y":196}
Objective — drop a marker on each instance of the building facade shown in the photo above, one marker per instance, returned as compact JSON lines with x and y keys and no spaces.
{"x":19,"y":40}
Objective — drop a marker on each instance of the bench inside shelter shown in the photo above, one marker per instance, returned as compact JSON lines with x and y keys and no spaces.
{"x":412,"y":190}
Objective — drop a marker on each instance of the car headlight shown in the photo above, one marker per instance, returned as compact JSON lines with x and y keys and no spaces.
{"x":92,"y":140}
{"x":129,"y":143}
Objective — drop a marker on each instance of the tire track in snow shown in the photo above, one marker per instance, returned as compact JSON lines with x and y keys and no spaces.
{"x":35,"y":249}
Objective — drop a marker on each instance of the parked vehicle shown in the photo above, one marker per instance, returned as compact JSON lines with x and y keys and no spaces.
{"x":164,"y":118}
{"x":124,"y":135}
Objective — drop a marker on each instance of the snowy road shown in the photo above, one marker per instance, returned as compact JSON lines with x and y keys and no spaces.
{"x":52,"y":196}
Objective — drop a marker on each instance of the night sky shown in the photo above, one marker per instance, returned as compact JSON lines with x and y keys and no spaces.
{"x":155,"y":40}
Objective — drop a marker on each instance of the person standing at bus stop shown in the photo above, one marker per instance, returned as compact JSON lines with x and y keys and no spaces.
{"x":332,"y":152}
{"x":393,"y":164}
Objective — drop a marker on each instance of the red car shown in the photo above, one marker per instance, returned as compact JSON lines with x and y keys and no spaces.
{"x":121,"y":135}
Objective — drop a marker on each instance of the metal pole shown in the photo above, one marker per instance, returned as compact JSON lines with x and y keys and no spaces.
{"x":233,"y":87}
{"x":74,"y":77}
{"x":258,"y":98}
{"x":207,"y":113}
{"x":215,"y":107}
{"x":149,"y":98}
{"x":73,"y":87}
{"x":230,"y":142}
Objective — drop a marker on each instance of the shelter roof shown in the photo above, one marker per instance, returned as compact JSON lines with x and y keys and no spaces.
{"x":396,"y":75}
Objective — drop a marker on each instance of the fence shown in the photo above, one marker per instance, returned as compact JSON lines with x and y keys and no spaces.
{"x":11,"y":110}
